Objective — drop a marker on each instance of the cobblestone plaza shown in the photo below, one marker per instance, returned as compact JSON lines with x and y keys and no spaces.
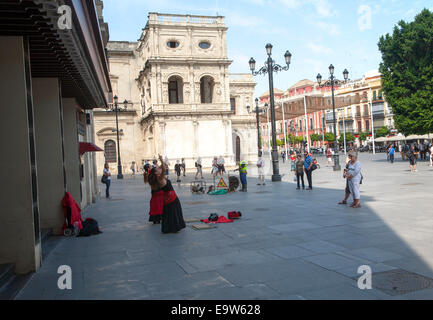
{"x":288,"y":244}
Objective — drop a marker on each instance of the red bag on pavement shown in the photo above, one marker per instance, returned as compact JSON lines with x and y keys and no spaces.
{"x":234,"y":214}
{"x":221,"y":219}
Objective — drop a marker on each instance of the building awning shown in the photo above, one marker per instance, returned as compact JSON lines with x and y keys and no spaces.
{"x":88,"y":147}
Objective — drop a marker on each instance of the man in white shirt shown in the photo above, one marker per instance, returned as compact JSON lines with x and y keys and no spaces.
{"x":261,"y":168}
{"x":220,"y":164}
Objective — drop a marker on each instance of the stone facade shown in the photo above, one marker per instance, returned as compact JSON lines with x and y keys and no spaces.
{"x":183,"y":103}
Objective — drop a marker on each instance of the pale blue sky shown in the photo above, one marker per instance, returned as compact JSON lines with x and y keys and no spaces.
{"x":316,"y":32}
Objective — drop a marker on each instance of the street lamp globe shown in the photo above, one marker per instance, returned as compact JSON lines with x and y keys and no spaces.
{"x":125,"y":104}
{"x":288,"y":57}
{"x":319,"y":78}
{"x":269,"y":49}
{"x":252,"y":64}
{"x":346,"y":74}
{"x":331,"y":69}
{"x":116,"y":99}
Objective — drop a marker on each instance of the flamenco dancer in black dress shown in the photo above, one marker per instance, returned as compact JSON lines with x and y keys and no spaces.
{"x":172,"y":217}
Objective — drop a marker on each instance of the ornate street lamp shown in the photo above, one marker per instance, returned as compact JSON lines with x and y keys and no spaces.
{"x":332,"y":82}
{"x":269,"y":68}
{"x":115,"y":108}
{"x":257,"y":110}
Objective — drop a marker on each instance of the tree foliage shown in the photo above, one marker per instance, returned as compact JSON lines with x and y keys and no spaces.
{"x":299,"y":139}
{"x":329,"y":136}
{"x":316,"y":137}
{"x":349,"y":137}
{"x":382,"y":132}
{"x":363,"y":136}
{"x":407,"y":73}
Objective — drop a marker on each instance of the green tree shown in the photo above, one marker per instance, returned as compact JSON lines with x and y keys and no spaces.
{"x":382,"y":132}
{"x":316,"y":137}
{"x":349,"y":138}
{"x":407,"y":73}
{"x":329,"y":136}
{"x":299,"y":139}
{"x":363,"y":136}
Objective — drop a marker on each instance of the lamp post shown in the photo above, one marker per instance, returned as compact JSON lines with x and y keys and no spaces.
{"x":332,"y":82}
{"x":117,"y":109}
{"x":257,"y":110}
{"x":269,"y":68}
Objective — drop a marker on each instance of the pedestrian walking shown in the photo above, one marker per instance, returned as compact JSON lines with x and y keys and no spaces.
{"x":177,"y":169}
{"x":411,"y":155}
{"x":391,"y":152}
{"x":167,"y":165}
{"x":215,"y":169}
{"x":347,"y":190}
{"x":300,"y":172}
{"x":133,"y":168}
{"x":172,"y":217}
{"x":283,"y":155}
{"x":308,"y":164}
{"x":354,"y":176}
{"x":293,"y":162}
{"x":261,"y":170}
{"x":243,"y":175}
{"x":107,"y":175}
{"x":400,"y":149}
{"x":183,"y":166}
{"x":431,"y":154}
{"x":329,"y":157}
{"x":199,"y":168}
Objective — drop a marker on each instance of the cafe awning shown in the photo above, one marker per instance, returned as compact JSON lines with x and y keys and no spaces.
{"x":88,"y":147}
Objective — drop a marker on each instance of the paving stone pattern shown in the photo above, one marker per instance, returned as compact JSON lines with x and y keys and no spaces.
{"x":289,"y":244}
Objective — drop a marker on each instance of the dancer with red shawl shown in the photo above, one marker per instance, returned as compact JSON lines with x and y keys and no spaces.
{"x":165,"y":200}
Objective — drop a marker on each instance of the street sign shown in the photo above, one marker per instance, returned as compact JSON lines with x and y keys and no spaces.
{"x":222,"y":184}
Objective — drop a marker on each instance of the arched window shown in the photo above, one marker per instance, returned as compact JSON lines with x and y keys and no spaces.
{"x":175,"y":90}
{"x":206,"y":89}
{"x":110,"y":151}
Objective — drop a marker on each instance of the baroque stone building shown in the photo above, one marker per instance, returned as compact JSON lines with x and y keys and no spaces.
{"x":183,"y":103}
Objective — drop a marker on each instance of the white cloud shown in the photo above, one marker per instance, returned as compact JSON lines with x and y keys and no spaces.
{"x":317,"y":48}
{"x":323,"y":8}
{"x":330,"y":28}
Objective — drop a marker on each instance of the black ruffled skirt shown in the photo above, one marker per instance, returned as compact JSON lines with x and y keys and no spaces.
{"x":172,"y":217}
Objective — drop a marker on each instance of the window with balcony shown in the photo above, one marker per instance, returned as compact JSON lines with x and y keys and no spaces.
{"x":367,"y":125}
{"x":311,"y":124}
{"x":365,"y":109}
{"x":374,"y":95}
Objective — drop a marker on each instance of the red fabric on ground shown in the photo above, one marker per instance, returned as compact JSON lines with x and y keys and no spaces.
{"x":221,"y":219}
{"x":68,"y":201}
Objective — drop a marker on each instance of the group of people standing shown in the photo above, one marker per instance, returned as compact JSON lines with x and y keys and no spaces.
{"x":412,"y":152}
